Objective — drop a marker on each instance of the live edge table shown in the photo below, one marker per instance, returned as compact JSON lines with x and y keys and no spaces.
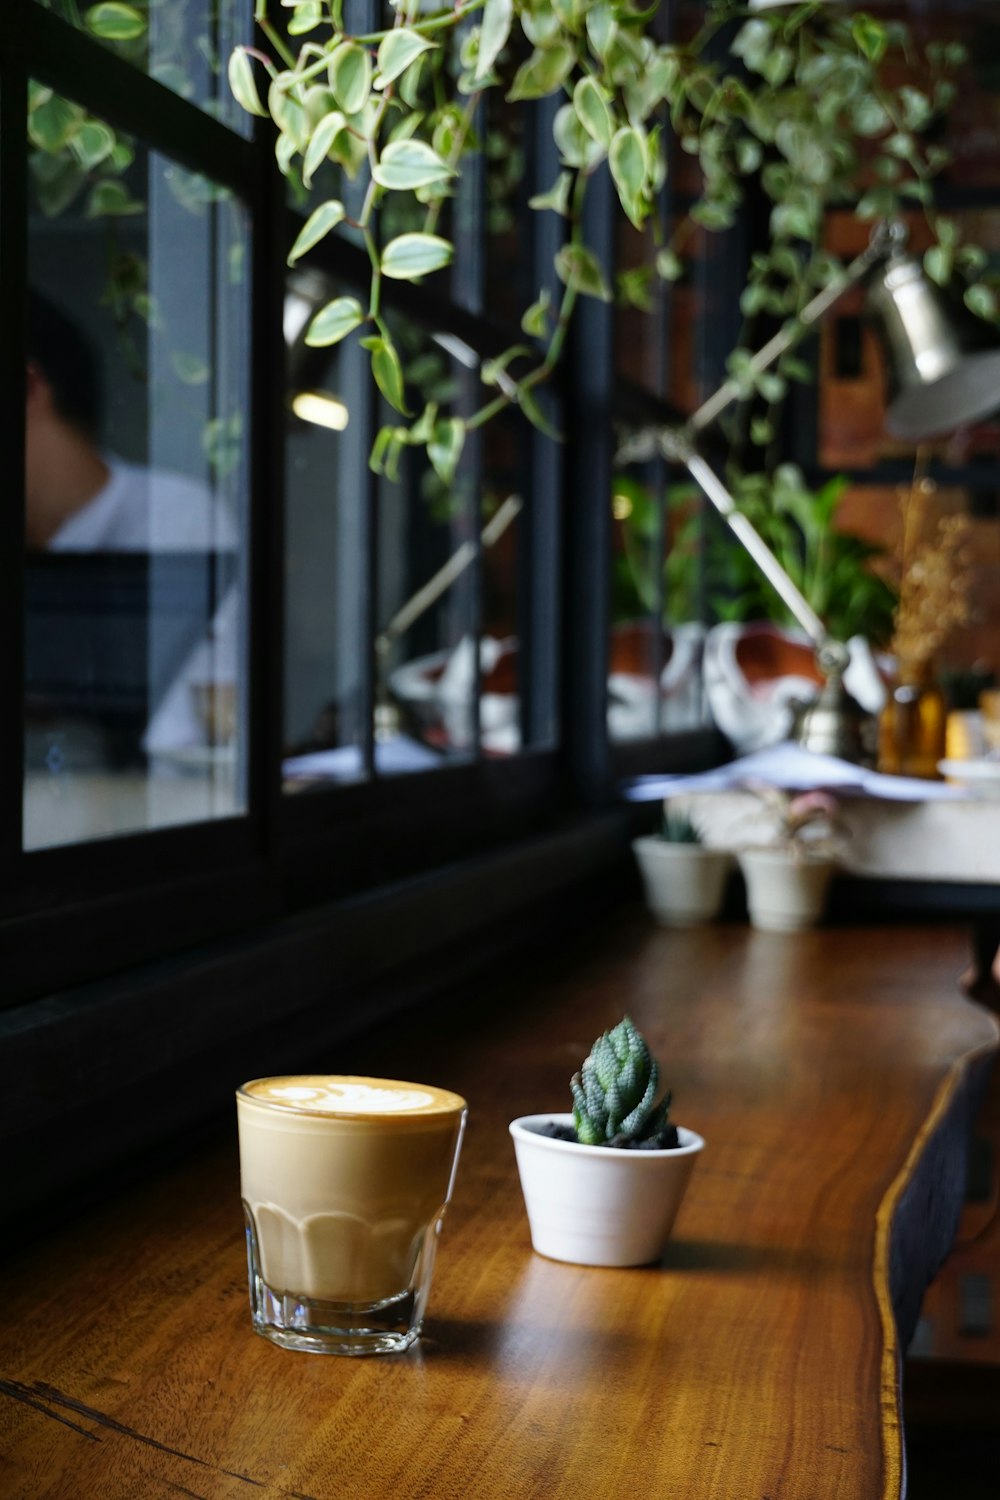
{"x":832,"y":1074}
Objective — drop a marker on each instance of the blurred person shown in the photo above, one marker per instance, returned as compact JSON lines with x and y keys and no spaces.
{"x":79,"y":498}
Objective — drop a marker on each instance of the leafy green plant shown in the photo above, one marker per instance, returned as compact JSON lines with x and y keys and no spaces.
{"x":837,"y":571}
{"x":841,"y":574}
{"x":816,"y":106}
{"x":614,"y":1093}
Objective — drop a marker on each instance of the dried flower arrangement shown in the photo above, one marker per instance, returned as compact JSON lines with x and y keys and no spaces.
{"x":933,"y":562}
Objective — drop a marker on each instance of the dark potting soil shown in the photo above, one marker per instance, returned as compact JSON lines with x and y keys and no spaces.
{"x":666,"y":1139}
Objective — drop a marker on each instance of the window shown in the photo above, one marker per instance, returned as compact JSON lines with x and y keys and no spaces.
{"x":135,"y":486}
{"x":278,"y":676}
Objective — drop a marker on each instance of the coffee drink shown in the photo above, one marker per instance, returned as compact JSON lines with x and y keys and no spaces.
{"x":344,"y":1183}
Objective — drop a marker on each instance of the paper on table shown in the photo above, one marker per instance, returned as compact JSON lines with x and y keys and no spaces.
{"x":794,"y":769}
{"x":347,"y":763}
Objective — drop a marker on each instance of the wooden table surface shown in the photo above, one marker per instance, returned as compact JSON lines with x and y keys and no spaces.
{"x":757,"y":1361}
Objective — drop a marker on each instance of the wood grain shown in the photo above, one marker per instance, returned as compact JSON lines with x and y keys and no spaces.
{"x":757,"y":1361}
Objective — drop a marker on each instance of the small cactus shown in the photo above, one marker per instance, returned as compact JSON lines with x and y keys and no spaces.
{"x":615,"y":1090}
{"x":677,"y":828}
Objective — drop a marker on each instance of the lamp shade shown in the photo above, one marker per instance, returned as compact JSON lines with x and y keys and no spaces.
{"x":943,"y":361}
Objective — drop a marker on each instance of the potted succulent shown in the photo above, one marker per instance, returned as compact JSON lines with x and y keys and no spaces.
{"x":684,"y":879}
{"x":602,"y":1185}
{"x":788,"y":872}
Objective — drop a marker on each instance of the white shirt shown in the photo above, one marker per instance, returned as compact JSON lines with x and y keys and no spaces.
{"x":145,"y":510}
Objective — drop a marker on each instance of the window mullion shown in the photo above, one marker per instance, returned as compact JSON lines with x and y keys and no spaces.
{"x":13,"y":301}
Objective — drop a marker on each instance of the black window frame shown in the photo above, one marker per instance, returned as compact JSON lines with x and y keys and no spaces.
{"x":73,"y":914}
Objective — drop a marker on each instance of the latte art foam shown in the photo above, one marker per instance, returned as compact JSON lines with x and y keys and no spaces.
{"x":350,"y":1096}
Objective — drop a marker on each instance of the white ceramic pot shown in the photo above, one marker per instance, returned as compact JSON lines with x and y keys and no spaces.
{"x":684,"y":883}
{"x":595,"y":1205}
{"x":784,"y":894}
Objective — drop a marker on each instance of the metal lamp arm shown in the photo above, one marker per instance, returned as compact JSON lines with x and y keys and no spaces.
{"x":678,"y":444}
{"x":884,"y":237}
{"x":752,"y":542}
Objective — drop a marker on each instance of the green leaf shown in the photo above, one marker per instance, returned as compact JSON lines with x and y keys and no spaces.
{"x":917,"y":109}
{"x":52,"y":125}
{"x":777,"y":65}
{"x":114,"y":22}
{"x":350,"y":76}
{"x":752,"y":42}
{"x":319,"y":223}
{"x":627,"y":160}
{"x":411,"y":255}
{"x":492,"y":369}
{"x":535,"y":321}
{"x":306,"y":18}
{"x":288,"y":114}
{"x":190,"y":369}
{"x":493,"y":33}
{"x":869,"y":117}
{"x":285,"y":152}
{"x":535,"y":415}
{"x":334,"y":322}
{"x":111,"y":200}
{"x":578,"y":267}
{"x":576,"y":147}
{"x":323,"y":137}
{"x":396,"y":52}
{"x":388,"y":371}
{"x":982,"y":300}
{"x":557,"y":197}
{"x":602,"y":27}
{"x":870,"y":37}
{"x":540,"y":23}
{"x":543,"y":73}
{"x":669,"y":266}
{"x":243,"y":84}
{"x":93,"y":143}
{"x":591,"y":104}
{"x":445,"y":447}
{"x":410,"y":164}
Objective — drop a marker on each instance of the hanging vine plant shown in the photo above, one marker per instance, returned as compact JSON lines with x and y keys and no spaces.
{"x":818,"y":106}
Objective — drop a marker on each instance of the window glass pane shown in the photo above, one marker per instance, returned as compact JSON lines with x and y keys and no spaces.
{"x":135,"y":500}
{"x":326,"y":580}
{"x":428,"y":585}
{"x":183,"y":44}
{"x":657,"y":631}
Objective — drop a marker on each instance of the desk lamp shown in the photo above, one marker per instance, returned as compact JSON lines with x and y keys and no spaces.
{"x":943,"y":371}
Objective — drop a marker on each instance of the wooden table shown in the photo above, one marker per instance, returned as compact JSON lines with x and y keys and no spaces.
{"x":826,"y":1071}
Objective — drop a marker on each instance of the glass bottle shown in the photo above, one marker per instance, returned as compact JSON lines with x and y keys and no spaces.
{"x":912,"y":726}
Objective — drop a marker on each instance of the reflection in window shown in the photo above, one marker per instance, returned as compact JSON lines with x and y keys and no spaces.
{"x":325,"y":542}
{"x":657,"y":631}
{"x":183,"y":44}
{"x":442,"y":595}
{"x":135,"y":497}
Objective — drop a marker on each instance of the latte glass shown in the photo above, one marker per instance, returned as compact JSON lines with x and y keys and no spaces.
{"x":344,"y":1183}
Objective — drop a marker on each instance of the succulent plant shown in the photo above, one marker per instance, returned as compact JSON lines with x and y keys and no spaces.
{"x":614,"y":1092}
{"x":678,"y":829}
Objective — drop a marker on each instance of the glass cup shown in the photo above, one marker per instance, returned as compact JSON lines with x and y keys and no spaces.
{"x":344,"y":1183}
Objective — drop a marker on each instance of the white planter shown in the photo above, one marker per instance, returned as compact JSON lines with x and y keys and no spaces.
{"x":784,"y":894}
{"x":684,"y":883}
{"x":596,"y":1205}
